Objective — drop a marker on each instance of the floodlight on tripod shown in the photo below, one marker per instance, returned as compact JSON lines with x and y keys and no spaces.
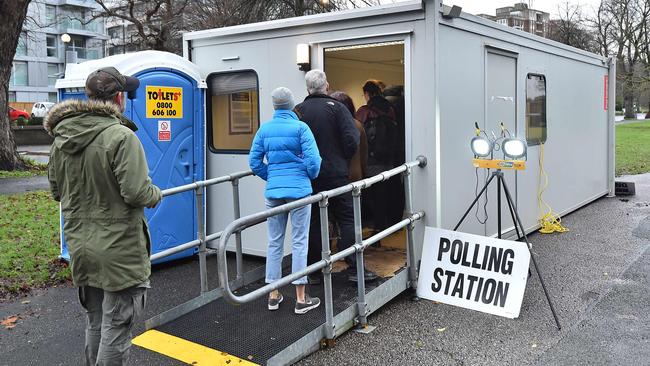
{"x":513,"y":149}
{"x":483,"y":147}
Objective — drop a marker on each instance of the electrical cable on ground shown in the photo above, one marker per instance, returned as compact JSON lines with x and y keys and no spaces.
{"x":549,"y":221}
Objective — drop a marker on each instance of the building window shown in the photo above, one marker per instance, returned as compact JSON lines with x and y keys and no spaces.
{"x":78,"y":44}
{"x":115,"y":32}
{"x":21,"y":49}
{"x":51,"y":45}
{"x":52,"y":74}
{"x":535,"y":109}
{"x":51,"y":97}
{"x":50,"y":15}
{"x":19,"y":74}
{"x":233,"y":110}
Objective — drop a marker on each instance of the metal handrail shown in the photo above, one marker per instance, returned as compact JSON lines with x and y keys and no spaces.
{"x":242,"y":223}
{"x":201,"y":240}
{"x":205,"y":183}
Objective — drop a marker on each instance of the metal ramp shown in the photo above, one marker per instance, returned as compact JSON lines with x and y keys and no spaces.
{"x":232,"y":325}
{"x":251,"y":333}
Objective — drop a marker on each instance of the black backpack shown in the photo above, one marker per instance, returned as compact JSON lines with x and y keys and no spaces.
{"x":382,"y":133}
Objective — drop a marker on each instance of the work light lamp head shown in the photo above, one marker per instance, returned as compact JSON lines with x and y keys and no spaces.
{"x":514,"y":148}
{"x":481,"y":146}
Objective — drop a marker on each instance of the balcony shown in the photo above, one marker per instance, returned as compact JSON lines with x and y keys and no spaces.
{"x":75,"y":26}
{"x":87,"y":53}
{"x":87,"y":4}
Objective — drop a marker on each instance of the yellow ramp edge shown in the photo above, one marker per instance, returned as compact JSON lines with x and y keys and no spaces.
{"x":185,"y":351}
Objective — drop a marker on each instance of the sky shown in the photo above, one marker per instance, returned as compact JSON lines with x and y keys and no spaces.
{"x":549,"y":6}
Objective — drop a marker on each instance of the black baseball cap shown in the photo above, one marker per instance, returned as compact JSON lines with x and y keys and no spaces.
{"x":106,"y":82}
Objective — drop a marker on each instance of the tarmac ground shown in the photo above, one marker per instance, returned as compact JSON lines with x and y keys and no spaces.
{"x":598,"y":275}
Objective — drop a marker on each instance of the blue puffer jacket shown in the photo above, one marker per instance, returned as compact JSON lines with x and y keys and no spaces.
{"x":292,"y":157}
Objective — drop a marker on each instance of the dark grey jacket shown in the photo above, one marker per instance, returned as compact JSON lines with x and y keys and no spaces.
{"x":335,"y":132}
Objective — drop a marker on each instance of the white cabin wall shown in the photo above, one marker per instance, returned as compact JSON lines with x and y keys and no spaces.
{"x":576,"y":148}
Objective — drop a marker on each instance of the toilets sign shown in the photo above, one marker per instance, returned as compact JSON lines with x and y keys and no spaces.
{"x":473,"y":272}
{"x":164,"y":102}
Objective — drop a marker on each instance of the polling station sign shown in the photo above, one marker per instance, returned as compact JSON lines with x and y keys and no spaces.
{"x":473,"y":272}
{"x":164,"y":102}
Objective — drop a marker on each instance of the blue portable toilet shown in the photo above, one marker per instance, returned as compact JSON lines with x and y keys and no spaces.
{"x":169,"y":112}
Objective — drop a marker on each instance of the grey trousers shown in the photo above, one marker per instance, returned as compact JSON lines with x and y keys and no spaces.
{"x":110,"y":318}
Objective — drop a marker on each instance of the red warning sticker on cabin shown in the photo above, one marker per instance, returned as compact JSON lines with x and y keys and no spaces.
{"x":164,"y":131}
{"x":606,"y":92}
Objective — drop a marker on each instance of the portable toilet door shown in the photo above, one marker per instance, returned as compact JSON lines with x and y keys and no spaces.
{"x":170,"y":129}
{"x":168,"y":111}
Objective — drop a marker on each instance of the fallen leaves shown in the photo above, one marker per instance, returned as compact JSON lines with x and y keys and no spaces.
{"x":10,"y":321}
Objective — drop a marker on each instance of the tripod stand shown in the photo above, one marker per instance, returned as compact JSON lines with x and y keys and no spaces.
{"x":501,"y":182}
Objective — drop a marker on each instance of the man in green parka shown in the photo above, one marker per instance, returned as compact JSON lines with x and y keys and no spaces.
{"x":98,"y":172}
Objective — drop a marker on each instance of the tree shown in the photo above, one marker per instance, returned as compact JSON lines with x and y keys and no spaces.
{"x":12,"y":16}
{"x":570,"y":29}
{"x":158,"y":23}
{"x":621,"y":30}
{"x":206,"y":14}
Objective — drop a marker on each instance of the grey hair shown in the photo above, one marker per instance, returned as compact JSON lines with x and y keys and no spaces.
{"x":316,"y":81}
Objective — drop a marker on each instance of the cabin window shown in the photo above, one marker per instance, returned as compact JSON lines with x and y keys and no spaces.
{"x":233,"y":110}
{"x":535,"y":109}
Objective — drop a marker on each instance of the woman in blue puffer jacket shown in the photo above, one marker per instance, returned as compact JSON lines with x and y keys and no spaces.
{"x":292,"y":161}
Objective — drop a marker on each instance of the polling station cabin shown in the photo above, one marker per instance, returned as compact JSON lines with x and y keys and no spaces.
{"x":455,"y":70}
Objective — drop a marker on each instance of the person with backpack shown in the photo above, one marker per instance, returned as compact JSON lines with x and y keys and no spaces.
{"x":379,"y":120}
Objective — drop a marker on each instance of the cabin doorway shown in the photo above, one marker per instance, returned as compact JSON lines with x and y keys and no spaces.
{"x":350,"y":67}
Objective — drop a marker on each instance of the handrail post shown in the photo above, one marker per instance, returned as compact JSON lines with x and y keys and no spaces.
{"x":358,"y":239}
{"x":327,"y":271}
{"x":203,"y":271}
{"x":237,"y":212}
{"x":411,"y":261}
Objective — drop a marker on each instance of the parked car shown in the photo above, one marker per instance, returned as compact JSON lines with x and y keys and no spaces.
{"x":40,"y":109}
{"x":20,"y":116}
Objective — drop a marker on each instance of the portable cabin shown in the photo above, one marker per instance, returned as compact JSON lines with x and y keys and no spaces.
{"x":455,"y":71}
{"x":175,"y":153}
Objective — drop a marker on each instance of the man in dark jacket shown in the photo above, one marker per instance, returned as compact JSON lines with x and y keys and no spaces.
{"x":337,"y":139}
{"x":98,"y":172}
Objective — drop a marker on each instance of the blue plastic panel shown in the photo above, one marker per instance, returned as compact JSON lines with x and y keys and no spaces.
{"x":171,"y":163}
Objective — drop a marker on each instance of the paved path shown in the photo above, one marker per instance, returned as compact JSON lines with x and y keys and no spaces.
{"x":39,"y":153}
{"x":597,"y":274}
{"x":21,"y":185}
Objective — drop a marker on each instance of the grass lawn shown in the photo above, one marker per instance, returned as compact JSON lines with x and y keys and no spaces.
{"x":33,"y":169}
{"x":29,"y":243}
{"x":633,"y":148}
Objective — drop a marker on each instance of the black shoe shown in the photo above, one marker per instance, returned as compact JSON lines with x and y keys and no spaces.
{"x":314,"y":279}
{"x":274,"y":303}
{"x":309,"y":304}
{"x":367,"y":276}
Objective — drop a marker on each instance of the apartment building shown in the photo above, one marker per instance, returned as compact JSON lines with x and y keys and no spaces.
{"x":521,"y":17}
{"x":41,"y":53}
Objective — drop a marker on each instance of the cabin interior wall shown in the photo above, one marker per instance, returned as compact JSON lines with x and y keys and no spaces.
{"x":347,"y":70}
